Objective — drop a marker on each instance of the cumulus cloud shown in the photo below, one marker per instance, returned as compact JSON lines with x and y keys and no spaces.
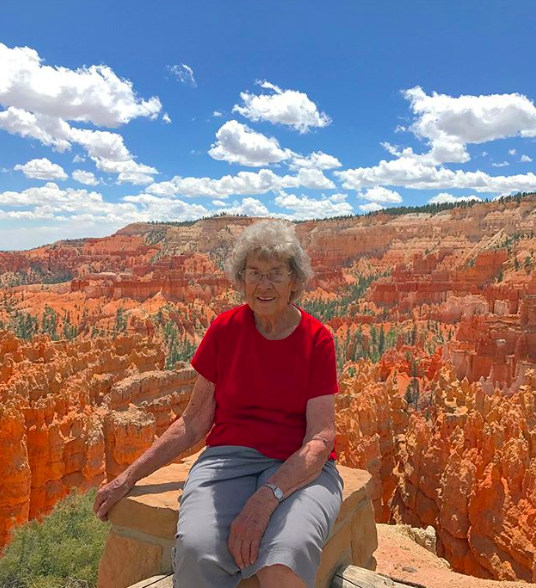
{"x":85,"y":177}
{"x":512,"y":152}
{"x":412,"y":171}
{"x":219,"y":203}
{"x":82,"y":206}
{"x":184,"y":73}
{"x":379,"y":194}
{"x":41,"y":101}
{"x":248,"y":206}
{"x":445,"y":197}
{"x":237,"y":143}
{"x":525,"y":159}
{"x":338,"y":197}
{"x":306,"y":208}
{"x":165,"y":118}
{"x":243,"y":183}
{"x":286,"y":107}
{"x":316,"y":160}
{"x":155,"y":208}
{"x":449,"y":123}
{"x":217,"y":114}
{"x":314,"y":179}
{"x":92,"y":94}
{"x":49,"y":130}
{"x":42,"y":169}
{"x":371,"y":207}
{"x":51,"y":195}
{"x":500,"y":164}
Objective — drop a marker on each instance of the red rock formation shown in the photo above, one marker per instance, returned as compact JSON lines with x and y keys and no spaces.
{"x":469,"y":471}
{"x":15,"y":494}
{"x":463,"y":462}
{"x":72,"y":414}
{"x":370,"y":416}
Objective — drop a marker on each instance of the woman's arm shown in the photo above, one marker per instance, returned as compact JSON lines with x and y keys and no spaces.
{"x":304,"y":465}
{"x":185,"y":432}
{"x":301,"y":468}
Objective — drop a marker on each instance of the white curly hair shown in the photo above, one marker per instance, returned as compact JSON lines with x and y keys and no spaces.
{"x":270,"y":239}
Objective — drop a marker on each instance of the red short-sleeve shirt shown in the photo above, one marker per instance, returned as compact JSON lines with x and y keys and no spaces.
{"x":263,"y":385}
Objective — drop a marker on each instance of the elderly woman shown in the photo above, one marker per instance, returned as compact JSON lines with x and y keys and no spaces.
{"x":263,"y":496}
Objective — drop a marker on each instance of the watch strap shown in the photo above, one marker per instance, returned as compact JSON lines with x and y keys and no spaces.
{"x":278,"y":493}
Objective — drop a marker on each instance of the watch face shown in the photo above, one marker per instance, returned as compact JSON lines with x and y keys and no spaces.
{"x":278,"y":493}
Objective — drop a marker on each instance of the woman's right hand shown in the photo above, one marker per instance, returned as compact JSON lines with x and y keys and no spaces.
{"x":109,"y":495}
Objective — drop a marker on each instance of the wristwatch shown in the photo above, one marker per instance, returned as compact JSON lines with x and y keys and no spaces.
{"x":278,"y":493}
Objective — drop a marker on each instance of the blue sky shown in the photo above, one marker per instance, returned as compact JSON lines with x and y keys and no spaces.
{"x":126,"y":111}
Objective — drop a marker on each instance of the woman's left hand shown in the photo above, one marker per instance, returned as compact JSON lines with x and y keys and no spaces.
{"x":248,"y":529}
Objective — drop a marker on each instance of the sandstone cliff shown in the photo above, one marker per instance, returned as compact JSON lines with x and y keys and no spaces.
{"x":73,"y":414}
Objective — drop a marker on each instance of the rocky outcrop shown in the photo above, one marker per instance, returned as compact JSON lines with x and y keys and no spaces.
{"x":144,"y":525}
{"x":463,"y":462}
{"x":180,"y":278}
{"x":457,"y":287}
{"x":16,"y":474}
{"x":370,"y":416}
{"x":470,"y":471}
{"x":73,"y":414}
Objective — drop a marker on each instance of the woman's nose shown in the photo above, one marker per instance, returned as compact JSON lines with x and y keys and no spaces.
{"x":262,"y":279}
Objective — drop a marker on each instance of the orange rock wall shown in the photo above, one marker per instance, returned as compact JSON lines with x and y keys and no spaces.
{"x":72,"y":414}
{"x":464,"y":462}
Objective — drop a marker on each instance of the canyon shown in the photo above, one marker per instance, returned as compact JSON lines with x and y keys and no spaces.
{"x":434,"y":318}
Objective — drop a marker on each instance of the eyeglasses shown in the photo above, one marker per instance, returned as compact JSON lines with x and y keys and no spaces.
{"x":275,"y":276}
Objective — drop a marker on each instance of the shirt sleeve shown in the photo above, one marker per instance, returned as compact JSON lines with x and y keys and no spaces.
{"x":323,"y":374}
{"x":205,"y":358}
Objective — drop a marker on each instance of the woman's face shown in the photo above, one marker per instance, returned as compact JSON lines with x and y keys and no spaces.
{"x":266,"y":298}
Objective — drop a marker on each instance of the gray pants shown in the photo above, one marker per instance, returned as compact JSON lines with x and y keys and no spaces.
{"x":218,"y":486}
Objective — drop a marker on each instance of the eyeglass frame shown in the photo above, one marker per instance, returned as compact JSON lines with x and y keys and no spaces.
{"x":242,"y":272}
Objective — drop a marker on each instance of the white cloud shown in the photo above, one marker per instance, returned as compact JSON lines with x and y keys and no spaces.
{"x":42,"y":169}
{"x":445,"y":197}
{"x":379,"y":194}
{"x":155,"y":208}
{"x":51,"y":195}
{"x":338,"y":197}
{"x":525,"y":159}
{"x":92,"y":94}
{"x":217,"y":114}
{"x":371,"y":207}
{"x":316,"y":160}
{"x":512,"y":152}
{"x":85,"y":177}
{"x":314,"y":179}
{"x":78,"y":159}
{"x":449,"y":123}
{"x":248,"y":206}
{"x":51,"y":131}
{"x":243,"y":183}
{"x":413,"y":171}
{"x":287,"y":107}
{"x":184,"y":73}
{"x":305,"y":208}
{"x":89,"y":208}
{"x":250,"y":183}
{"x":219,"y":203}
{"x":39,"y":100}
{"x":165,"y":118}
{"x":500,"y":164}
{"x":237,"y":143}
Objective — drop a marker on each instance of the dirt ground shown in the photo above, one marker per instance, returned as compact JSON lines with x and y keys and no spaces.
{"x":401,"y":558}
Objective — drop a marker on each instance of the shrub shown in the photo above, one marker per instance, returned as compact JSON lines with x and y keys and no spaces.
{"x":61,"y":551}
